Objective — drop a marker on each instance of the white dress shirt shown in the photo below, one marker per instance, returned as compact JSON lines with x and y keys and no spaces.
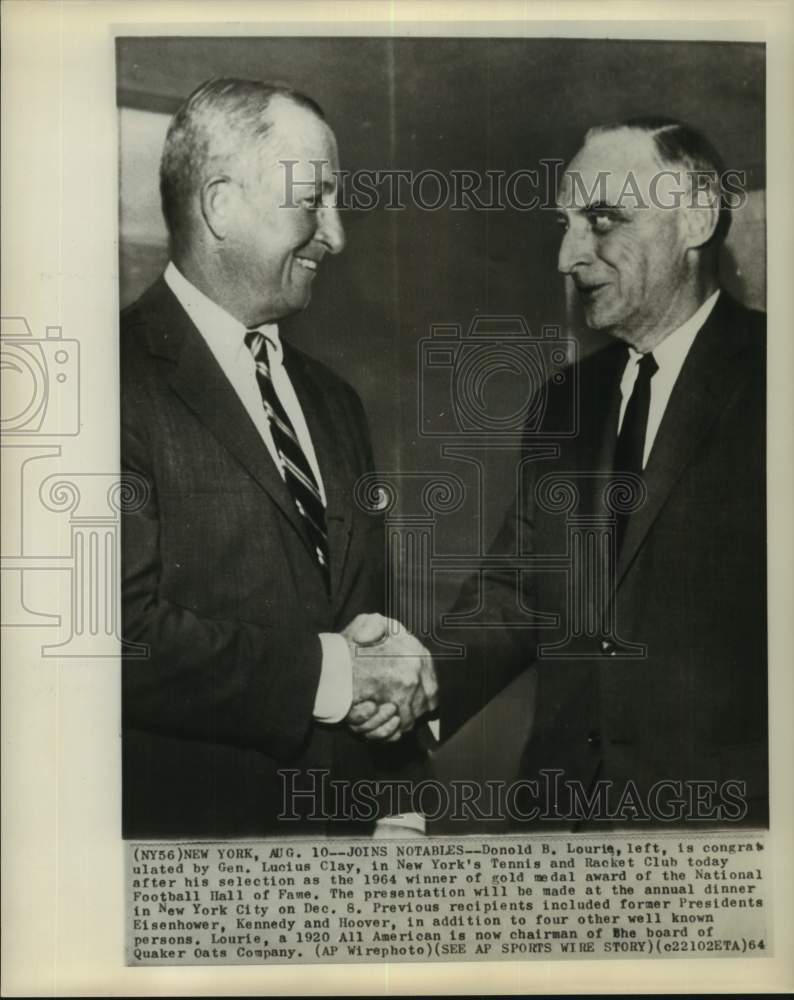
{"x":669,"y":355}
{"x":225,"y":337}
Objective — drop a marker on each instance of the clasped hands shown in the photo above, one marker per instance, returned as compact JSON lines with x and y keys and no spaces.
{"x":394,"y":682}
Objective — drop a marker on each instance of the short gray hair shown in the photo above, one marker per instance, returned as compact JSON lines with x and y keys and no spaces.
{"x":215,"y":124}
{"x":680,"y":145}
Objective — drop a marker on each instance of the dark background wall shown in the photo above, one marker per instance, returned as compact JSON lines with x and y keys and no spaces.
{"x":445,"y":104}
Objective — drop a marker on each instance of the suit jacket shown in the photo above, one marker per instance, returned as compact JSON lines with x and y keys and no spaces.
{"x":219,"y":581}
{"x":662,"y":676}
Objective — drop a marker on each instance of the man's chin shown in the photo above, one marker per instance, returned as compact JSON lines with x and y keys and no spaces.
{"x":301,"y":300}
{"x":600,"y":319}
{"x":292,"y":307}
{"x":602,"y":309}
{"x":596,"y":320}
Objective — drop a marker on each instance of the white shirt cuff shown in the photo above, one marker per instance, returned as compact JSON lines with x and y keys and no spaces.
{"x":335,"y":690}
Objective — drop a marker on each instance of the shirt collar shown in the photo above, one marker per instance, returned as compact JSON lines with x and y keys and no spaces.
{"x":224,"y":334}
{"x":672,"y":351}
{"x":275,"y":349}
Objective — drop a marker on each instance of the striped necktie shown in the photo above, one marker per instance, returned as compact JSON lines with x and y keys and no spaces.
{"x":298,"y":473}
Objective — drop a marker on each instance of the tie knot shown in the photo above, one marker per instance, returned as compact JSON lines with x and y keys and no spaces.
{"x":256,"y":343}
{"x":647,"y":365}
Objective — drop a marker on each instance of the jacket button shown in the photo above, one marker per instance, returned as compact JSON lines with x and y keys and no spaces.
{"x":594,"y":740}
{"x":607,"y":647}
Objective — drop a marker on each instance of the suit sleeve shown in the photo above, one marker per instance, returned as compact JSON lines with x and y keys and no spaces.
{"x":497,"y":649}
{"x":202,"y":678}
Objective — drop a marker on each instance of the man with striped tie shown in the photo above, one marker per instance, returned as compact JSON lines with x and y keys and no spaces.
{"x":249,"y":574}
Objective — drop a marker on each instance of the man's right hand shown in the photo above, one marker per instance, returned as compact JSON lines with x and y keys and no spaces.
{"x":394,"y":683}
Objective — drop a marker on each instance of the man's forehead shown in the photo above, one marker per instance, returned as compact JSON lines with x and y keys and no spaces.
{"x":608,"y":168}
{"x":298,"y":132}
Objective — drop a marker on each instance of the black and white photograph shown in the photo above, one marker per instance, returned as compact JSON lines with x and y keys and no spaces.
{"x":396,"y":556}
{"x":443,"y":377}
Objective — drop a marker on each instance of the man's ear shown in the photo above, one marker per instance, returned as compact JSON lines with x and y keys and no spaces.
{"x":217,"y":197}
{"x":701,"y":215}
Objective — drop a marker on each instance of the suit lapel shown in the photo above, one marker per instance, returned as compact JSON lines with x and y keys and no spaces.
{"x":591,"y":451}
{"x":199,"y":381}
{"x":586,"y":458}
{"x":708,"y":379}
{"x":336,"y":471}
{"x":595,"y":443}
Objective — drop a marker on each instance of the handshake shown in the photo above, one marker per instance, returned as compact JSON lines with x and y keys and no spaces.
{"x":394,"y":683}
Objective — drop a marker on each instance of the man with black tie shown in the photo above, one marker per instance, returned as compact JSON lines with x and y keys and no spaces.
{"x":651,"y":699}
{"x":247,"y":570}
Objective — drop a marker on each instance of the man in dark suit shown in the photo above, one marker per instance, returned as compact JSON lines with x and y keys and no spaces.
{"x":651,"y":700}
{"x":247,"y":570}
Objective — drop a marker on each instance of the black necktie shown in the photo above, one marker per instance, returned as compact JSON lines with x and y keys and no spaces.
{"x":630,"y":447}
{"x":631,"y":439}
{"x":298,"y":473}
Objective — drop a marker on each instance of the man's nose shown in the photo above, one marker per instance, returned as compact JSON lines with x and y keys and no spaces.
{"x":576,"y":248}
{"x":330,"y":230}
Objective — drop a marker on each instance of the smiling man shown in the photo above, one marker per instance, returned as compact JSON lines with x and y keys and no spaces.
{"x":248,"y":568}
{"x":650,"y":653}
{"x":640,"y":231}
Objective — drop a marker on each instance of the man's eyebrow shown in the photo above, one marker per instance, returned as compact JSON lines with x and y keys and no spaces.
{"x":592,"y":208}
{"x":602,"y":206}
